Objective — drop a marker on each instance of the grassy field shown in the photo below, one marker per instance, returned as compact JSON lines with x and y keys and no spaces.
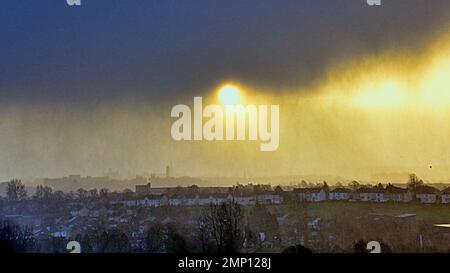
{"x":329,"y":210}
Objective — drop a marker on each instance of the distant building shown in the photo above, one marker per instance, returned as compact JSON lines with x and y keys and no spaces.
{"x":245,"y":200}
{"x":367,"y":194}
{"x":142,"y":190}
{"x":269,"y":198}
{"x":427,"y":194}
{"x":311,"y":194}
{"x":397,"y":194}
{"x":445,"y":196}
{"x":361,"y":194}
{"x":150,"y":201}
{"x":340,"y":194}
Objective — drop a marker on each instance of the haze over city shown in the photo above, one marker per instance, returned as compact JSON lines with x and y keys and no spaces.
{"x":363,"y":92}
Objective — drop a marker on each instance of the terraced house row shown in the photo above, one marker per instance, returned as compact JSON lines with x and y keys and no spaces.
{"x":157,"y":197}
{"x":203,"y":199}
{"x":425,"y":194}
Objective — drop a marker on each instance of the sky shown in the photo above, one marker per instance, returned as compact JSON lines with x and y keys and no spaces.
{"x":88,"y":88}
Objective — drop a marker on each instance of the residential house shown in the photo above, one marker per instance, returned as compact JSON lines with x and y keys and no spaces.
{"x":205,"y":199}
{"x":214,"y":199}
{"x":361,"y":194}
{"x":340,"y":194}
{"x":245,"y":200}
{"x":445,"y":196}
{"x":397,"y":194}
{"x":269,"y":198}
{"x":150,"y":201}
{"x":191,"y":200}
{"x":176,"y":200}
{"x":370,"y":194}
{"x":311,"y":194}
{"x":427,"y":194}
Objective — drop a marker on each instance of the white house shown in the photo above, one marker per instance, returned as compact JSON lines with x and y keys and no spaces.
{"x":427,"y":194}
{"x":375,"y":194}
{"x":176,"y":200}
{"x":205,"y":200}
{"x":340,"y":194}
{"x":269,"y":198}
{"x":361,"y":194}
{"x":311,"y":194}
{"x":397,"y":194}
{"x":191,"y":200}
{"x":245,"y":200}
{"x":445,"y":196}
{"x":214,"y":199}
{"x":164,"y":200}
{"x":149,"y":201}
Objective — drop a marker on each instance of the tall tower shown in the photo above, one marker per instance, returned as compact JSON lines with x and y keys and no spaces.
{"x":167,"y":171}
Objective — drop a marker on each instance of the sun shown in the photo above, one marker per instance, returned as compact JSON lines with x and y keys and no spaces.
{"x":230,"y":94}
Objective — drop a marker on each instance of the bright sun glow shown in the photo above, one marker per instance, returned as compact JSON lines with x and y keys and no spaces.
{"x":388,"y":93}
{"x":435,"y":85}
{"x":229,"y":94}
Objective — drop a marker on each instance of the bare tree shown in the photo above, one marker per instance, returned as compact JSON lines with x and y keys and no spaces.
{"x":413,"y":184}
{"x":127,"y":193}
{"x":93,"y":193}
{"x":354,"y":185}
{"x":82,"y":194}
{"x":43,"y":193}
{"x":104,"y":192}
{"x":16,"y":190}
{"x":224,"y":223}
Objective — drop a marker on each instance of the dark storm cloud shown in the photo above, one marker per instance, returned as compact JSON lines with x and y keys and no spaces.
{"x":158,"y":50}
